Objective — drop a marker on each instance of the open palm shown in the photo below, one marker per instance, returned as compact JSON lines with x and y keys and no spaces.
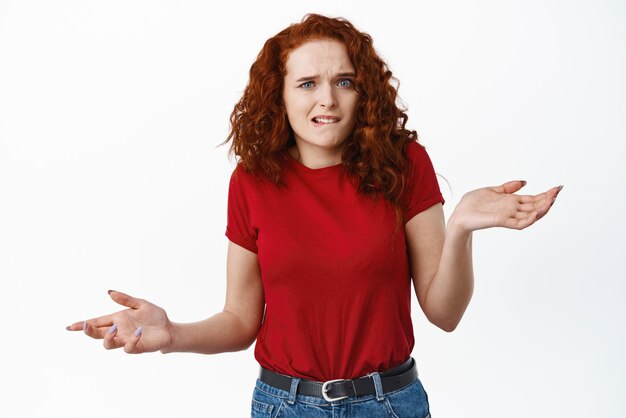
{"x":499,"y":207}
{"x":142,"y":327}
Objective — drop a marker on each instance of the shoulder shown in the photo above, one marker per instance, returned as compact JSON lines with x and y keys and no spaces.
{"x":416,"y":154}
{"x":241,"y":175}
{"x":415,"y":150}
{"x":242,"y":182}
{"x":250,"y":180}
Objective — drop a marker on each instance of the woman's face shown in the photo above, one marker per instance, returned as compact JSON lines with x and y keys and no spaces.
{"x":319,"y":95}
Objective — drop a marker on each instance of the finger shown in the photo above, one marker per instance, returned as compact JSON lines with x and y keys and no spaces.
{"x":542,"y":204}
{"x":531,"y":212}
{"x":109,"y":338}
{"x":124,"y":299}
{"x":103,"y":321}
{"x":510,"y":186}
{"x":545,"y":209}
{"x":559,"y":189}
{"x":94,"y":328}
{"x":528,"y":207}
{"x":529,"y":198}
{"x":523,"y":220}
{"x":523,"y":215}
{"x":95,"y":332}
{"x":76,"y":326}
{"x":550,"y":193}
{"x":131,"y":345}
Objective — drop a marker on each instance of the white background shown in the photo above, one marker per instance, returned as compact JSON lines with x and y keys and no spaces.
{"x":111,"y":178}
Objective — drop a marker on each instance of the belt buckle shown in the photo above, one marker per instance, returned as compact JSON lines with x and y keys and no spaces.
{"x":326,"y":389}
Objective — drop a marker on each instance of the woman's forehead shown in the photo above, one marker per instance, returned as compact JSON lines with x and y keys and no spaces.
{"x":317,"y":57}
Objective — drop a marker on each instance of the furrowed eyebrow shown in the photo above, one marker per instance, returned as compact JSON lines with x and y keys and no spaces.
{"x":313,"y":77}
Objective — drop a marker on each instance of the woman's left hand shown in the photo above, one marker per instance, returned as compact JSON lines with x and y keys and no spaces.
{"x":499,"y":207}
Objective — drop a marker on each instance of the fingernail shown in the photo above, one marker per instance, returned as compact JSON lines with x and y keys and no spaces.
{"x":523,"y":183}
{"x":113,"y":329}
{"x":560,"y":188}
{"x":84,"y":326}
{"x":67,"y":328}
{"x":138,"y":331}
{"x":109,"y":292}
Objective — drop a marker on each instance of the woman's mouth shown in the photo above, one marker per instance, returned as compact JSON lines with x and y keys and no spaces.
{"x":324,"y":120}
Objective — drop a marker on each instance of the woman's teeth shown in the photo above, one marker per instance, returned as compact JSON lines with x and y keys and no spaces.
{"x":324,"y":120}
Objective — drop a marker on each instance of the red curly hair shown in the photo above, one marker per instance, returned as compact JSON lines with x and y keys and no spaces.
{"x":373,"y":154}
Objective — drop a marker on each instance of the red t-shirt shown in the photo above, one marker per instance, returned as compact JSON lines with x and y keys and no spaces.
{"x":337,"y":281}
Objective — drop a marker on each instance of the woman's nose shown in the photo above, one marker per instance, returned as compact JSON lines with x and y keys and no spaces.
{"x":327,"y":97}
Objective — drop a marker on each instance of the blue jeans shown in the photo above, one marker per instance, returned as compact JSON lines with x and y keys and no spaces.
{"x":408,"y":402}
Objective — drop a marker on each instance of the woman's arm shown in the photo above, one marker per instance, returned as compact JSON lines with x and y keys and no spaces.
{"x":145,"y":327}
{"x":236,"y":327}
{"x":441,"y":257}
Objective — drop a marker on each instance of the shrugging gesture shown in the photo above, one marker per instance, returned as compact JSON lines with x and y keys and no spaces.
{"x":143,"y":327}
{"x":441,"y":256}
{"x":499,"y":207}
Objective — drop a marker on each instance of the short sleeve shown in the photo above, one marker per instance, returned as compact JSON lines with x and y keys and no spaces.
{"x":239,"y":226}
{"x":422,"y":187}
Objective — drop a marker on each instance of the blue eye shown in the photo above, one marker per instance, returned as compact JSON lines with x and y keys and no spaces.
{"x":346,"y":82}
{"x":307,"y":85}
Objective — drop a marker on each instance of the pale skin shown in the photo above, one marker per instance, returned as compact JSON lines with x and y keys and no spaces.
{"x":440,"y":255}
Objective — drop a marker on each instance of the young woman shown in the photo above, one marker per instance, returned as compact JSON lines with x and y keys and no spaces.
{"x":333,"y":211}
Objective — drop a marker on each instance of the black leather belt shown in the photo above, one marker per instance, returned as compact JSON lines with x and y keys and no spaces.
{"x":335,"y":390}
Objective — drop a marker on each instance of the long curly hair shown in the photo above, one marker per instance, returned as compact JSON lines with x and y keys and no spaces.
{"x":373,"y":155}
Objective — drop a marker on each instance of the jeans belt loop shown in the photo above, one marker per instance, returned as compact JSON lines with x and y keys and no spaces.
{"x":378,"y":385}
{"x":293,"y":391}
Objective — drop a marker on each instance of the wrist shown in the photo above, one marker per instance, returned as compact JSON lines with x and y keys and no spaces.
{"x":456,"y":227}
{"x":170,"y":346}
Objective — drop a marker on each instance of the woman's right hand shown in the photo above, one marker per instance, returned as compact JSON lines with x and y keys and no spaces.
{"x":142,"y":328}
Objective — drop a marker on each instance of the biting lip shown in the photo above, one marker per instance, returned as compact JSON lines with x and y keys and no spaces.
{"x":324,"y":120}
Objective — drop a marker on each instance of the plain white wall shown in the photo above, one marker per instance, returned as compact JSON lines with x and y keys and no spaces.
{"x":110,"y":114}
